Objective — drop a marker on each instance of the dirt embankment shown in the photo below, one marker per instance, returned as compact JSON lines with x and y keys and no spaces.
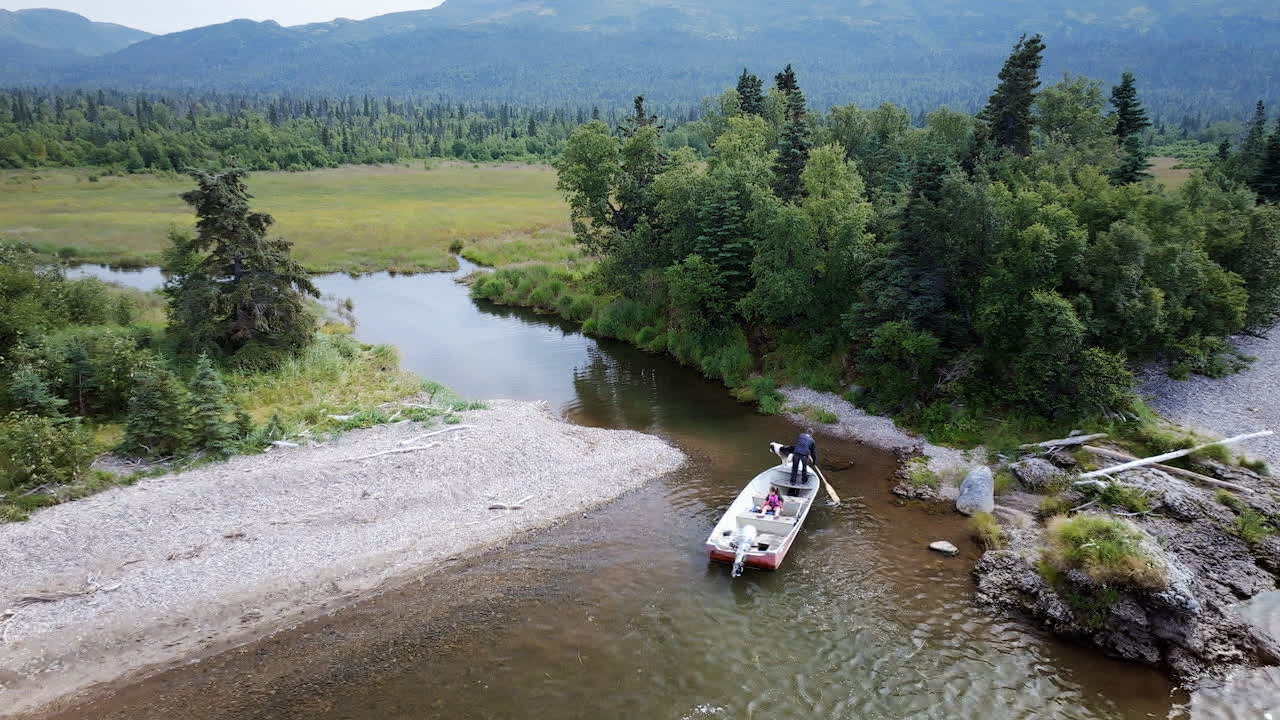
{"x":139,"y":578}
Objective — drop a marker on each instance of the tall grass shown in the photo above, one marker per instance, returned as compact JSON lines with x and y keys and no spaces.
{"x":336,"y":375}
{"x":344,"y":219}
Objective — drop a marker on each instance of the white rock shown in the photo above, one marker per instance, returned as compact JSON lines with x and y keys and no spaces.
{"x":944,"y":547}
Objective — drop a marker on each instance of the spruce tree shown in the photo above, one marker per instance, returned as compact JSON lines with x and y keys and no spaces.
{"x":1267,"y":182}
{"x":1008,"y":112}
{"x":1131,"y":117}
{"x":751,"y":94}
{"x":1254,"y":146}
{"x":159,"y":414}
{"x":237,"y":288}
{"x":210,"y":429}
{"x":1131,"y":120}
{"x":724,"y":240}
{"x":30,"y":393}
{"x":795,"y":142}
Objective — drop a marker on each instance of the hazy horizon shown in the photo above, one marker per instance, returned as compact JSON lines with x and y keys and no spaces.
{"x":164,"y":16}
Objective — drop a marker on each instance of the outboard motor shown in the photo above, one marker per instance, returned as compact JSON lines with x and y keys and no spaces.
{"x":742,"y":542}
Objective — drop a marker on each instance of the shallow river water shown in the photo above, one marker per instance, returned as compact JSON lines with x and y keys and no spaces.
{"x":618,"y":614}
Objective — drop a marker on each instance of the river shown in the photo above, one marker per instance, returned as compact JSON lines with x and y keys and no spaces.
{"x":618,"y":614}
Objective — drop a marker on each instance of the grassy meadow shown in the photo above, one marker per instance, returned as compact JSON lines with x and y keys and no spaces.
{"x":355,"y":218}
{"x":1165,"y":173}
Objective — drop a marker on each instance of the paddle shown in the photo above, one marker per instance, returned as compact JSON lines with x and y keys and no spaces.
{"x":835,"y":499}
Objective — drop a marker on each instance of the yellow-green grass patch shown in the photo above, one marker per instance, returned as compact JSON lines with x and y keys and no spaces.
{"x":1165,"y":173}
{"x":541,"y":246}
{"x":356,"y":218}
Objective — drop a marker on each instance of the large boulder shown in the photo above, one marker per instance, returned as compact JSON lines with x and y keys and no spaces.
{"x":977,"y":492}
{"x":1038,"y":475}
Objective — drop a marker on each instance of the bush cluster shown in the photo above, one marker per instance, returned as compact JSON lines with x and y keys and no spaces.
{"x":1109,"y":550}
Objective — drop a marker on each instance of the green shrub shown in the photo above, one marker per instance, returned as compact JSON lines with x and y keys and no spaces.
{"x":1004,"y":481}
{"x":1258,"y":466}
{"x":1249,"y":525}
{"x":1107,"y":549}
{"x":30,"y":393}
{"x":898,"y":363}
{"x":1054,"y":505}
{"x":582,"y":308}
{"x":1252,"y":527}
{"x":211,"y":411}
{"x":89,"y":301}
{"x":159,"y":414}
{"x":1130,"y":498}
{"x":986,"y":529}
{"x":919,"y":474}
{"x":36,"y":450}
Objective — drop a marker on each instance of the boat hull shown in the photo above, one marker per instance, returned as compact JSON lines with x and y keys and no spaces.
{"x":718,"y":547}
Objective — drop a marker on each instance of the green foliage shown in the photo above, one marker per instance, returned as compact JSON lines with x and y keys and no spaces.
{"x":986,"y":529}
{"x":159,"y":414}
{"x":1109,"y":550}
{"x":30,"y":393}
{"x":211,"y":412}
{"x":1053,"y":506}
{"x":36,"y":450}
{"x":1249,"y":525}
{"x":232,"y":288}
{"x":898,"y":363}
{"x":919,"y":475}
{"x":1129,"y":498}
{"x":1008,"y":112}
{"x":1004,"y":481}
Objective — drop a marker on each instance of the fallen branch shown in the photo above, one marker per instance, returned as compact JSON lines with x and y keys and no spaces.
{"x":36,"y":489}
{"x":1172,"y":455}
{"x":57,"y":595}
{"x":391,"y":452}
{"x":1114,"y":455}
{"x":1089,"y":504}
{"x":437,"y":432}
{"x":284,"y":444}
{"x":1065,"y":442}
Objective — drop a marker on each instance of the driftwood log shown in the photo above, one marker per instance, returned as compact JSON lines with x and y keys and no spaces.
{"x":1204,"y":479}
{"x":1171,"y":455}
{"x":1065,"y":442}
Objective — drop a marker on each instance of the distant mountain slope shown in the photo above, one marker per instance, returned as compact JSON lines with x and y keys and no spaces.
{"x":64,"y":32}
{"x":921,"y":53}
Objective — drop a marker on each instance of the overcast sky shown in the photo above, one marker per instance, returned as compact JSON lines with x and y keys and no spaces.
{"x":165,"y":16}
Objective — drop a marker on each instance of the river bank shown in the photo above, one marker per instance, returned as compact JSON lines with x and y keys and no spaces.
{"x":1244,"y":402}
{"x":186,"y":565}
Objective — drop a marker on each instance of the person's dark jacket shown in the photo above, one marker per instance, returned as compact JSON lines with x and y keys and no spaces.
{"x":806,"y":445}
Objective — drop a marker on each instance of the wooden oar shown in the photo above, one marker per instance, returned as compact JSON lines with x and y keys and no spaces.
{"x":830,"y":490}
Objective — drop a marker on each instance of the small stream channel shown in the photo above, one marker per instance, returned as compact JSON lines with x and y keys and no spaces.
{"x":618,"y":614}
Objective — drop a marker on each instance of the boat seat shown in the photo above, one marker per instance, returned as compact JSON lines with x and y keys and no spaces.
{"x":790,"y":505}
{"x":775,"y":526}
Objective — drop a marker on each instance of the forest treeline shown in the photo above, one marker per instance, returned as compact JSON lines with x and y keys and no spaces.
{"x":137,"y":132}
{"x":143,"y":132}
{"x":1014,"y":260}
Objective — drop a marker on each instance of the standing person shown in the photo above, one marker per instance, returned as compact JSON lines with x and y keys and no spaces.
{"x":804,"y":455}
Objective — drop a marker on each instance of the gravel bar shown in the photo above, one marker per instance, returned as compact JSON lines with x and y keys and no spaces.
{"x":1245,"y":402}
{"x":139,"y":578}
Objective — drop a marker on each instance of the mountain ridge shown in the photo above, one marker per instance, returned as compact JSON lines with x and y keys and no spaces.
{"x":916,"y":52}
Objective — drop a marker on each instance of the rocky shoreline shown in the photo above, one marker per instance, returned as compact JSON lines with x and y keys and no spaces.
{"x":1188,"y":625}
{"x":140,"y":578}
